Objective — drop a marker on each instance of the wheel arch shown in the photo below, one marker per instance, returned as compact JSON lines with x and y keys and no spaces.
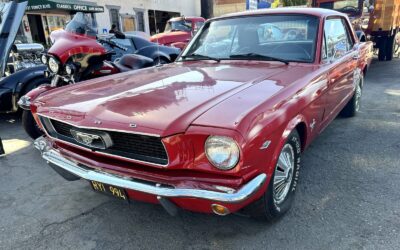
{"x":298,"y":123}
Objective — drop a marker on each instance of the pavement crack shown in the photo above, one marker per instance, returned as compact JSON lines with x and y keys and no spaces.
{"x":72,"y":218}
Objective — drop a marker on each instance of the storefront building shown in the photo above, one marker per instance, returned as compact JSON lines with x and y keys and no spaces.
{"x":44,"y":16}
{"x":138,"y":15}
{"x":149,"y":16}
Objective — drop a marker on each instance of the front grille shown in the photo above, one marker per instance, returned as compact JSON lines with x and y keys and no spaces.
{"x":138,"y":147}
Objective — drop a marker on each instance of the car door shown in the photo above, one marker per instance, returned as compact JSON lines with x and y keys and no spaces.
{"x":11,"y":14}
{"x":341,"y":58}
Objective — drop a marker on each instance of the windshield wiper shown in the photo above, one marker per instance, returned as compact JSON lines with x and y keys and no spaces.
{"x":201,"y":57}
{"x":258,"y":56}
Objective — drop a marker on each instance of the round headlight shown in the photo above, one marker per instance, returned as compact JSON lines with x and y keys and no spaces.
{"x":53,"y":65}
{"x":69,"y":69}
{"x":43,"y":58}
{"x":222,"y":152}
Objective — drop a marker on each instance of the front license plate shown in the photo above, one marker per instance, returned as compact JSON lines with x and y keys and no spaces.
{"x":109,"y":190}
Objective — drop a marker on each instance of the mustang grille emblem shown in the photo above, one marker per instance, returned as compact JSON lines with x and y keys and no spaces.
{"x":99,"y":140}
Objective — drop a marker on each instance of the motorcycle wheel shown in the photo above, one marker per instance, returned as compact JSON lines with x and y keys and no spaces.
{"x":30,"y":126}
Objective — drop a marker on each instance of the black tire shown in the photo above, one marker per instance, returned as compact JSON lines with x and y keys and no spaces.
{"x":390,"y":48}
{"x":382,"y":49}
{"x":28,"y":122}
{"x":266,"y":208}
{"x":160,"y":60}
{"x":30,"y":126}
{"x":353,"y":106}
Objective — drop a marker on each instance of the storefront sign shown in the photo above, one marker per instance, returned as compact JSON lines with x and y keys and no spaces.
{"x":35,"y":5}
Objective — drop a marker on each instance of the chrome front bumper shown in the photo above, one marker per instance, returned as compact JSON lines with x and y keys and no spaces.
{"x":54,"y":157}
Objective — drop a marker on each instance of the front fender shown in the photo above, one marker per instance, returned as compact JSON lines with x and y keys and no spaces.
{"x":16,"y":84}
{"x":153,"y":52}
{"x":291,"y":125}
{"x":26,"y":101}
{"x":19,"y":80}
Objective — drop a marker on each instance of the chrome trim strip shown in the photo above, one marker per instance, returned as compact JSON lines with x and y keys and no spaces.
{"x":102,"y":153}
{"x":104,"y":129}
{"x":25,"y":103}
{"x":54,"y":157}
{"x":265,"y":145}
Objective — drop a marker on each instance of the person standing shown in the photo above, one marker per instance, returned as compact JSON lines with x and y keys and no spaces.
{"x":2,"y":152}
{"x":113,"y":29}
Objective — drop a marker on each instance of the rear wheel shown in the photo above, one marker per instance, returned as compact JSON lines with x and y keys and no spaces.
{"x":160,"y":60}
{"x":390,"y":47}
{"x":353,"y":106}
{"x":382,"y":49}
{"x":279,"y":196}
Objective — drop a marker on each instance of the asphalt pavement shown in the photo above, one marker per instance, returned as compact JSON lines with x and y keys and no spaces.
{"x":348,"y":196}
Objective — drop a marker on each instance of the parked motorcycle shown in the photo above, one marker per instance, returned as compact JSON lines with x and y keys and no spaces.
{"x":78,"y":55}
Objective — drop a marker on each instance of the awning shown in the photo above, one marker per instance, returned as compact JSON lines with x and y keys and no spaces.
{"x":67,"y":5}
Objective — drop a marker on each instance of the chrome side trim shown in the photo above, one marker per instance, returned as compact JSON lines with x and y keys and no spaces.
{"x":54,"y":157}
{"x":265,"y":145}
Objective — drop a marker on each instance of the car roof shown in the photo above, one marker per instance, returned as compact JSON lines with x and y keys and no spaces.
{"x":319,"y":12}
{"x":192,"y":18}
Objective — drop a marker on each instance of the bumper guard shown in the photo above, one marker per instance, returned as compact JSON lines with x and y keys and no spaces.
{"x":54,"y":157}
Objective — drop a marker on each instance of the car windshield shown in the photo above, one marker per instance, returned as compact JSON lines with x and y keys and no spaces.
{"x":181,"y":25}
{"x":267,"y":37}
{"x":347,"y":6}
{"x":4,"y":9}
{"x":82,"y":24}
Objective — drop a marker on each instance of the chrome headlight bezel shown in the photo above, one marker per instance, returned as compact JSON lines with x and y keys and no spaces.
{"x":53,"y":65}
{"x":69,"y":69}
{"x":229,"y":152}
{"x":43,"y":59}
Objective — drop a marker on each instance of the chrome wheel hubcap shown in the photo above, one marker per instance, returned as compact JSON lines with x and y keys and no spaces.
{"x":358,"y":96}
{"x":283,"y":174}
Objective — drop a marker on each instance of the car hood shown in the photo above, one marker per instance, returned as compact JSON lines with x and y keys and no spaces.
{"x":160,"y":100}
{"x":171,"y":37}
{"x":11,"y":14}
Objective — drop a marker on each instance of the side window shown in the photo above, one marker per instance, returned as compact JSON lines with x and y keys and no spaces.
{"x":337,"y":38}
{"x":348,"y":34}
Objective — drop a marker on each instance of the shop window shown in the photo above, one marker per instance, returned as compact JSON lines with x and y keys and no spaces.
{"x":140,"y":20}
{"x":114,"y":16}
{"x":129,"y":23}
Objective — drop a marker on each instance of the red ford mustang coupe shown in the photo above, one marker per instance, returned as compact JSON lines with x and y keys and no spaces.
{"x":222,"y":129}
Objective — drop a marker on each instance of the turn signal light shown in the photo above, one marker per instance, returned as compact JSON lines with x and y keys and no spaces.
{"x":219,"y":209}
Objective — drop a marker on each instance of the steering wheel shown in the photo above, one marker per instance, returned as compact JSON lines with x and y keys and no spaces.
{"x":291,"y":35}
{"x":301,"y":48}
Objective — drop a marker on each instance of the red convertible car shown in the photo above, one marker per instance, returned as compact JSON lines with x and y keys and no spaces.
{"x":223,"y":128}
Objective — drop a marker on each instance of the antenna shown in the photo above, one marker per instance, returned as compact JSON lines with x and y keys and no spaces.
{"x":158,"y":44}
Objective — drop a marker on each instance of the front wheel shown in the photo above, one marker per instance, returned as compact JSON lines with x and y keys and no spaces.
{"x":279,"y":196}
{"x":30,"y":126}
